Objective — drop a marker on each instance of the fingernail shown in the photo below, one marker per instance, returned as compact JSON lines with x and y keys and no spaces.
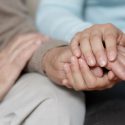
{"x":80,"y":62}
{"x":112,"y":56}
{"x":77,"y":54}
{"x":102,"y":62}
{"x":38,"y":42}
{"x":91,"y":62}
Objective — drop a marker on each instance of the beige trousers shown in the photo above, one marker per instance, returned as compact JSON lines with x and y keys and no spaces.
{"x":35,"y":100}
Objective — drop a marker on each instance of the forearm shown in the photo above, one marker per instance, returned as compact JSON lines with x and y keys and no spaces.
{"x":61,"y":19}
{"x":14,"y":21}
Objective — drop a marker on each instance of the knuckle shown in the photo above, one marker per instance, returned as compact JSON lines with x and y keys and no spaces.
{"x":95,"y":36}
{"x":98,"y":51}
{"x":86,"y":33}
{"x":110,"y":36}
{"x":95,"y":40}
{"x":85,"y":38}
{"x":109,"y":25}
{"x":83,"y":43}
{"x":88,"y":56}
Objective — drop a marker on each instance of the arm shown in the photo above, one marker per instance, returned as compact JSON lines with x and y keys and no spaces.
{"x":15,"y":21}
{"x":61,"y":19}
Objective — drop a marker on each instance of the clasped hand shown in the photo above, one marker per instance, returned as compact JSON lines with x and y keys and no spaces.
{"x":99,"y":46}
{"x":79,"y":65}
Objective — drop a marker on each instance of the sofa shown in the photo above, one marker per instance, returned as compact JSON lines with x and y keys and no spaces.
{"x":103,"y":107}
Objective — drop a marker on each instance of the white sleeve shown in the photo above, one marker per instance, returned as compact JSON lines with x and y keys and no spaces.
{"x":61,"y":19}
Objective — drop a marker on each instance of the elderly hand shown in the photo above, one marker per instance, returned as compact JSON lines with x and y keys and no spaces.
{"x":13,"y":58}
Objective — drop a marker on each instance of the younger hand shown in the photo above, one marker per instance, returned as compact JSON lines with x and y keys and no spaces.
{"x":91,"y":42}
{"x":80,"y":76}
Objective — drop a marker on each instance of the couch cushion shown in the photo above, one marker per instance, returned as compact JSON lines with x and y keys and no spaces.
{"x":106,"y":107}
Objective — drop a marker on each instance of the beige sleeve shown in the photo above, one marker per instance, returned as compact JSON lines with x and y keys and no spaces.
{"x":35,"y":63}
{"x":15,"y":20}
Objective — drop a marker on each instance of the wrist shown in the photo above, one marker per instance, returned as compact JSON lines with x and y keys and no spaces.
{"x":51,"y":55}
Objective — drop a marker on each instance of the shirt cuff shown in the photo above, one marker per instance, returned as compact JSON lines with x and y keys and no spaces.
{"x":35,"y":64}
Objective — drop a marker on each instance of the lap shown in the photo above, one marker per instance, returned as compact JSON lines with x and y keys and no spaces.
{"x":33,"y":90}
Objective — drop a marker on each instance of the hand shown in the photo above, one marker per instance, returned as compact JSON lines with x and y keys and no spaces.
{"x":13,"y":58}
{"x":80,"y":77}
{"x":117,"y":67}
{"x":93,"y":41}
{"x":54,"y":61}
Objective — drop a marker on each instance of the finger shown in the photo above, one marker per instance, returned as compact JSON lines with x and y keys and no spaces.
{"x":111,"y":75}
{"x":97,"y":71}
{"x":121,"y":58}
{"x":121,"y":50}
{"x":65,"y":83}
{"x":75,"y":46}
{"x":77,"y":76}
{"x":28,"y":47}
{"x":22,"y":39}
{"x":87,"y":50}
{"x":69,"y":76}
{"x":87,"y":75}
{"x":19,"y":62}
{"x":98,"y":48}
{"x":118,"y":69}
{"x":110,"y":40}
{"x":27,"y":52}
{"x":122,"y":38}
{"x":93,"y":83}
{"x":104,"y":82}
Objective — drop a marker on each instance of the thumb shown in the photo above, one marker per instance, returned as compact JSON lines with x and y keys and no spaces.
{"x":119,"y":70}
{"x":97,"y":71}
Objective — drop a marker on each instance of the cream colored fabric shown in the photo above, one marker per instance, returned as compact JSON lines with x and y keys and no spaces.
{"x":34,"y":100}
